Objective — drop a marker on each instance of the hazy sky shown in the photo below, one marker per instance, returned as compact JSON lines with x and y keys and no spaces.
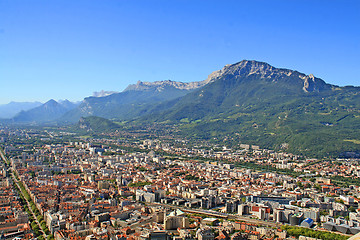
{"x":71,"y":48}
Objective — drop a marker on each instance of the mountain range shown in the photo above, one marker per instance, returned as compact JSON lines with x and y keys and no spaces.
{"x":253,"y":102}
{"x":249,"y":101}
{"x":136,"y":100}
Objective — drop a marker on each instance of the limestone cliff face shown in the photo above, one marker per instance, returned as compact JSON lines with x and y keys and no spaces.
{"x":246,"y":68}
{"x":161,"y":85}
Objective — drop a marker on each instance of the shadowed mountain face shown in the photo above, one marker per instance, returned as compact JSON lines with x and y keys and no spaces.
{"x":133,"y":102}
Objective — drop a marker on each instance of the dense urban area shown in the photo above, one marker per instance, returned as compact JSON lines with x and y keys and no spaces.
{"x":63,"y":185}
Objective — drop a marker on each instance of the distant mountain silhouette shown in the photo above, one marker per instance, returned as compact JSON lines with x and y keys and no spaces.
{"x":49,"y":111}
{"x":11,"y":109}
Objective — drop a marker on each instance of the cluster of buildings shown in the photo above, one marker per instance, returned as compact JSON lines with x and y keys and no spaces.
{"x":13,"y":218}
{"x":103,"y":190}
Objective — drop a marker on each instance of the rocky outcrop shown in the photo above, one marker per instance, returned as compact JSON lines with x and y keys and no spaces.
{"x":161,"y":85}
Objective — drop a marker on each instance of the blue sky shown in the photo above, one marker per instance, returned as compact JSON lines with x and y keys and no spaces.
{"x":68,"y":49}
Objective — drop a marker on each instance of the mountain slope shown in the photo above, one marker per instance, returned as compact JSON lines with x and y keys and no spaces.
{"x":256,"y":103}
{"x":134,"y":101}
{"x":97,"y":124}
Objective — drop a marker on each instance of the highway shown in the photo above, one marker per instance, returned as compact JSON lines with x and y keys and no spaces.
{"x":3,"y":156}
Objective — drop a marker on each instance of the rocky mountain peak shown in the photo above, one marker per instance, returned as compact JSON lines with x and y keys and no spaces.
{"x":51,"y":103}
{"x":263,"y":70}
{"x":243,"y":68}
{"x":249,"y":67}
